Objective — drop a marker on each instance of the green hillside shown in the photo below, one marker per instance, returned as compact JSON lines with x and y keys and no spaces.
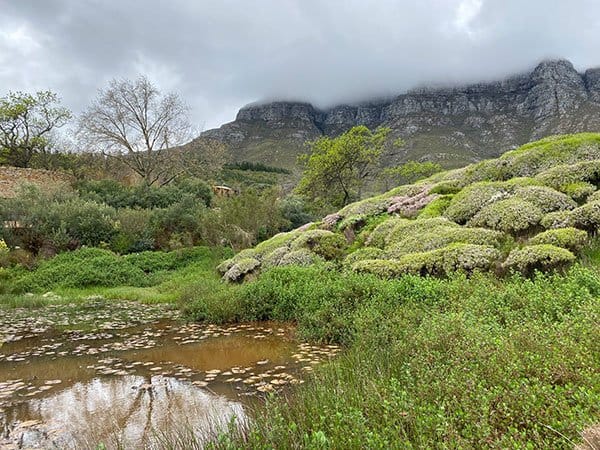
{"x":533,"y":208}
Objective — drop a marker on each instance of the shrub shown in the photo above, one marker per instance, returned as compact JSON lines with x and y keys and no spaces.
{"x":362,"y":254}
{"x":558,"y":219}
{"x":545,"y":198}
{"x":448,"y":187}
{"x":472,"y":199}
{"x":240,"y":269}
{"x":443,"y":261}
{"x":512,"y":216}
{"x":442,"y":236}
{"x":587,"y":216}
{"x":82,"y":268}
{"x":322,"y":242}
{"x":274,"y":258}
{"x":569,"y":238}
{"x":455,"y":257}
{"x":578,"y":191}
{"x":402,"y":229}
{"x":134,"y":232}
{"x":538,"y":257}
{"x":436,"y":208}
{"x":385,"y":268}
{"x":379,"y":235}
{"x":301,"y":257}
{"x":564,"y":175}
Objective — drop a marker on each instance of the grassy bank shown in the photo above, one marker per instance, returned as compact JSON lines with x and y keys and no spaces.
{"x":149,"y":277}
{"x":462,"y":362}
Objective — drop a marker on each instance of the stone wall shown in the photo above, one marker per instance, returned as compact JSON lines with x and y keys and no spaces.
{"x":12,"y":177}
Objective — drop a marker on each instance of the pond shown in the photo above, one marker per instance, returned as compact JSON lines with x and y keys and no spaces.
{"x":127,"y":375}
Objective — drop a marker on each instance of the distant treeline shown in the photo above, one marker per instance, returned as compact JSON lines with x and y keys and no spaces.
{"x":256,"y":167}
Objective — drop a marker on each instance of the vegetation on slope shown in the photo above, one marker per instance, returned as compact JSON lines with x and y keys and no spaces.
{"x":494,"y":215}
{"x":489,"y":353}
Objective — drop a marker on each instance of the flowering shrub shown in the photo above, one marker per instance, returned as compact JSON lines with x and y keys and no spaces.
{"x":511,"y":216}
{"x":587,"y":217}
{"x":442,"y":236}
{"x":558,"y":219}
{"x":545,"y":198}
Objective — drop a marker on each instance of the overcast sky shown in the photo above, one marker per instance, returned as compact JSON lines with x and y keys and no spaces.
{"x":222,"y":54}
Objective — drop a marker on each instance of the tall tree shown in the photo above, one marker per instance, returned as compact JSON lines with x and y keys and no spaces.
{"x":336,"y":169}
{"x":26,"y":125}
{"x":134,"y":123}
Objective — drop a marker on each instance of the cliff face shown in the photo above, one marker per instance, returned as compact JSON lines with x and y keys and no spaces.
{"x":451,"y":125}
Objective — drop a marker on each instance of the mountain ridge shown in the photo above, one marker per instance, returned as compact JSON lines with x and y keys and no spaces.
{"x":453,"y":125}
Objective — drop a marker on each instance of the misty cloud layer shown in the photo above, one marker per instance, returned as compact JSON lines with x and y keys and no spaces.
{"x":220,"y":55}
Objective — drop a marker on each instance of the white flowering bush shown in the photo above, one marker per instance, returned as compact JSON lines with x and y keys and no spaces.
{"x":510,"y":216}
{"x":472,"y":199}
{"x":558,"y":219}
{"x":440,"y":237}
{"x":587,"y":217}
{"x":302,"y":257}
{"x":545,"y":198}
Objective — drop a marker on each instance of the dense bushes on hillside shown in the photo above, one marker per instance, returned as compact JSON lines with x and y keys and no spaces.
{"x":471,"y":218}
{"x":109,"y":215}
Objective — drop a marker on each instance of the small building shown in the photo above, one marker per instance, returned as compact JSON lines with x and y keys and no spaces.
{"x":223,"y":191}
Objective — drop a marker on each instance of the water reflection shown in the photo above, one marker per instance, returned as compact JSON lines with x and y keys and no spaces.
{"x":134,"y":377}
{"x":128,"y":411}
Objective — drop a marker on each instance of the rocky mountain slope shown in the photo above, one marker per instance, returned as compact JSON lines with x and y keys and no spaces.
{"x":454,"y":126}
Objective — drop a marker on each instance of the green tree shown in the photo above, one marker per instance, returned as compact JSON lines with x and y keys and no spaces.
{"x":336,"y":169}
{"x":26,"y":125}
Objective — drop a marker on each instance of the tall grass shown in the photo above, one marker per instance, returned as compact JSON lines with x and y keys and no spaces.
{"x":461,"y":362}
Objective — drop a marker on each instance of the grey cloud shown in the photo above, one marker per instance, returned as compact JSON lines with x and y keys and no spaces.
{"x":221,"y":55}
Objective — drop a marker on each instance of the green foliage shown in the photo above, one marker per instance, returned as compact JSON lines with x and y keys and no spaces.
{"x":558,"y":219}
{"x":442,"y":236}
{"x":134,"y":233}
{"x":336,"y":168}
{"x":468,"y":202}
{"x":545,"y":198}
{"x":324,"y":243}
{"x":436,"y":208}
{"x":56,"y":220}
{"x":468,"y":362}
{"x":300,"y":257}
{"x":410,"y":172}
{"x":81,"y":268}
{"x":26,"y":123}
{"x":538,"y":257}
{"x":241,"y":268}
{"x":362,"y":254}
{"x":587,"y":216}
{"x":295,"y":211}
{"x":511,"y":216}
{"x":579,"y":191}
{"x":255,"y":167}
{"x":143,"y":196}
{"x":569,"y":238}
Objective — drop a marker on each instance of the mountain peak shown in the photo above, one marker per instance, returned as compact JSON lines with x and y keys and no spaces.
{"x":455,"y":125}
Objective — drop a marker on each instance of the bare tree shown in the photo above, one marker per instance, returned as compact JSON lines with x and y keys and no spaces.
{"x":134,"y":123}
{"x":26,"y":125}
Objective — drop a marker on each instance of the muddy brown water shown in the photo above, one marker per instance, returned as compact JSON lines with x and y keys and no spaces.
{"x":126,"y":375}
